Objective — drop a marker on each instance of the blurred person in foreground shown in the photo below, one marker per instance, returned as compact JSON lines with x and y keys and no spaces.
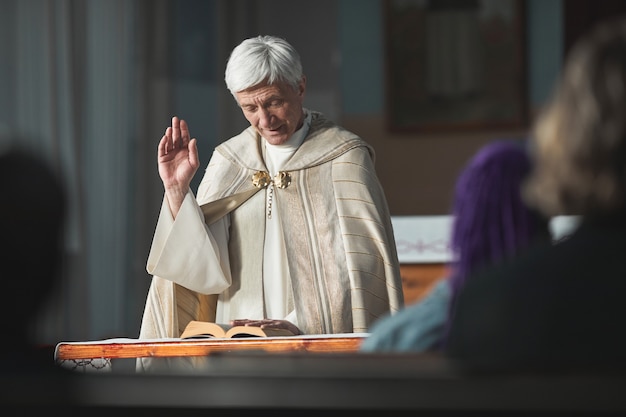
{"x":561,"y":308}
{"x":290,"y":227}
{"x":32,"y":220}
{"x":491,"y":223}
{"x":32,"y":224}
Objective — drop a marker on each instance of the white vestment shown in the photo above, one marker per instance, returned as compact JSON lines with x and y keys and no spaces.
{"x":339,"y":247}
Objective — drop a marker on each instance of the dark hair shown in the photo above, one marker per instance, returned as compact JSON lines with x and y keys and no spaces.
{"x":32,"y":216}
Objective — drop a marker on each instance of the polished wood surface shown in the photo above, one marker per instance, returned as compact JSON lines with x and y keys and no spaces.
{"x":131,"y":348}
{"x":419,"y":278}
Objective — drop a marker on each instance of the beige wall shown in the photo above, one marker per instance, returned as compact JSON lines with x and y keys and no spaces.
{"x":418,"y":171}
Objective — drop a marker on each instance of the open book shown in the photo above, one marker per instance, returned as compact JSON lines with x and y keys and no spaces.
{"x":203,"y":329}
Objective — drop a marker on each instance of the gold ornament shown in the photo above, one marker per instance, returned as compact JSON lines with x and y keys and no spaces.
{"x":261,"y":179}
{"x":282,"y":179}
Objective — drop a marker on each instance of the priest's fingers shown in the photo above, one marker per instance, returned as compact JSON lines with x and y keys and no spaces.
{"x":164,"y":145}
{"x":184,"y":133}
{"x":194,"y":160}
{"x":176,"y":134}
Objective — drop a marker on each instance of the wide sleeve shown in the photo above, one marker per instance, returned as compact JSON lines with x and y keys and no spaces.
{"x":188,"y":252}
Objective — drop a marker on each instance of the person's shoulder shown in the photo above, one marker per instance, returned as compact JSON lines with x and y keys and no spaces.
{"x":506,"y":275}
{"x":417,"y":327}
{"x":327,"y":141}
{"x":321,"y":123}
{"x":242,"y":151}
{"x":245,"y":138}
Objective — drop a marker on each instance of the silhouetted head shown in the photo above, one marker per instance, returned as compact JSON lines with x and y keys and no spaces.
{"x":32,"y":215}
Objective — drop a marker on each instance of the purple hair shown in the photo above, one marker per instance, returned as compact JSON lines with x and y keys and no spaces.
{"x":491,"y":222}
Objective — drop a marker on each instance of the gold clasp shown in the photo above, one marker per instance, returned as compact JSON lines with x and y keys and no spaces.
{"x":282,"y":179}
{"x":261,"y":179}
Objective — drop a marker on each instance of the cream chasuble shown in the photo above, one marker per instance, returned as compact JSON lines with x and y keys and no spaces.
{"x":338,"y":246}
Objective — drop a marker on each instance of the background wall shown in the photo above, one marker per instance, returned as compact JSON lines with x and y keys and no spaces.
{"x":418,"y":170}
{"x":93,"y":84}
{"x":345,"y":65}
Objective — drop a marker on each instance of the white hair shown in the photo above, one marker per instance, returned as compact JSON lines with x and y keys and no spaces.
{"x":262,"y":59}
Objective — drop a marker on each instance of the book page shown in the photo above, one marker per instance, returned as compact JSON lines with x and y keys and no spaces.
{"x":203,"y":329}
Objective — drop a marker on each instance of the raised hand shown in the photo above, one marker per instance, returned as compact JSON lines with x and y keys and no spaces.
{"x":178,"y":162}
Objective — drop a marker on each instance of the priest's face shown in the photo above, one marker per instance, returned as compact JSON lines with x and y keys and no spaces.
{"x":274,"y":110}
